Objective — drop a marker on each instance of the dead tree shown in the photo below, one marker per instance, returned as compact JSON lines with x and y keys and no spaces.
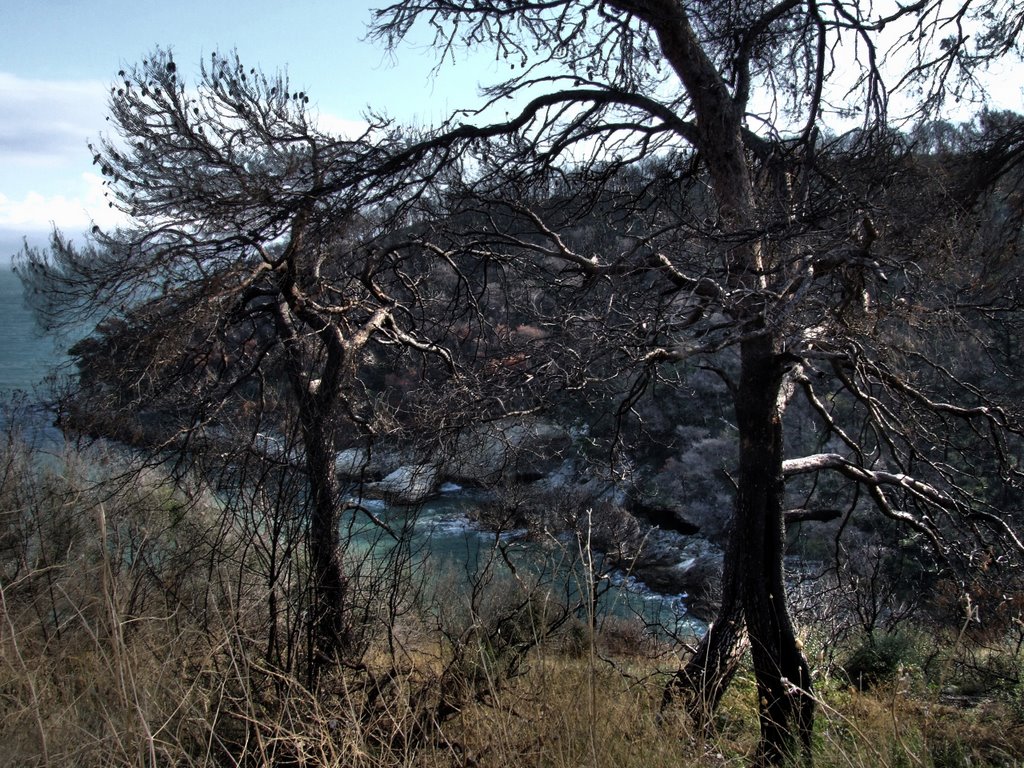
{"x":780,"y":263}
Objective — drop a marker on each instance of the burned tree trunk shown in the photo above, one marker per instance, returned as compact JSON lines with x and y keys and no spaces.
{"x":783,"y":677}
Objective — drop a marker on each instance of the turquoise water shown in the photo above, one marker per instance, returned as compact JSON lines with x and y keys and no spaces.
{"x":454,"y":548}
{"x":27,"y":359}
{"x":26,"y":356}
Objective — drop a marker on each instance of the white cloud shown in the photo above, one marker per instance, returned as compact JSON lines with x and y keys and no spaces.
{"x":45,"y":166}
{"x":82,"y":206}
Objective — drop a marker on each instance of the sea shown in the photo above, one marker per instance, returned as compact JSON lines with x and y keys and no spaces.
{"x":32,"y":362}
{"x":32,"y":365}
{"x":27,"y":355}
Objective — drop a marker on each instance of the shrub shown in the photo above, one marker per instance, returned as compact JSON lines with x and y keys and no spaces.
{"x":879,"y":658}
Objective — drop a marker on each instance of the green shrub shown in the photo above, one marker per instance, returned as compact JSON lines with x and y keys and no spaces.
{"x":879,"y":658}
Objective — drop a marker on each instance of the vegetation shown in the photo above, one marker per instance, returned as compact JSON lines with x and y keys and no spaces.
{"x":126,"y":641}
{"x":664,"y":212}
{"x":779,"y":267}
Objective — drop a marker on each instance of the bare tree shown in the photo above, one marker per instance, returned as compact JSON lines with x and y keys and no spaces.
{"x":732,"y":233}
{"x":783,"y":265}
{"x":234,"y":313}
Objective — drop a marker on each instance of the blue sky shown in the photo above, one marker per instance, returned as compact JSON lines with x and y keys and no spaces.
{"x":58,"y":58}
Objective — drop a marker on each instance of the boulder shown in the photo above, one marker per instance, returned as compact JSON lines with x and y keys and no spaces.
{"x":697,"y":577}
{"x":667,"y":561}
{"x":364,"y":464}
{"x":669,"y":517}
{"x":500,"y":451}
{"x":409,"y":484}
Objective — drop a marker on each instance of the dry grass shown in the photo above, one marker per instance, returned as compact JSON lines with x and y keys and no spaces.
{"x":102,"y":664}
{"x":114,"y":692}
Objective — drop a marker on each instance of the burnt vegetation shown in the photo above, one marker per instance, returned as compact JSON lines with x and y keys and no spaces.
{"x":639,"y":296}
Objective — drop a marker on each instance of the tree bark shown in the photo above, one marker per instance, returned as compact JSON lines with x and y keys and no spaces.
{"x":753,"y":588}
{"x":328,"y":635}
{"x":754,"y":606}
{"x":785,"y":703}
{"x":329,"y":631}
{"x":708,"y":673}
{"x":753,"y":591}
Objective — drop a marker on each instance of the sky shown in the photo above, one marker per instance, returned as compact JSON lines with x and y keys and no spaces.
{"x":59,"y":57}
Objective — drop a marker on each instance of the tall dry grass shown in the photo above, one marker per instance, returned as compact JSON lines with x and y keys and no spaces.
{"x":131,"y":636}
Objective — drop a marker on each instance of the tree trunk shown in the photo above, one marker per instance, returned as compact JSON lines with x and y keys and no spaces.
{"x":329,"y":630}
{"x":753,"y":588}
{"x":783,"y":676}
{"x":707,"y":674}
{"x":317,"y":405}
{"x":753,"y":582}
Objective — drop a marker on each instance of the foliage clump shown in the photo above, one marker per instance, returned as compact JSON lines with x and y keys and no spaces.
{"x":879,"y":658}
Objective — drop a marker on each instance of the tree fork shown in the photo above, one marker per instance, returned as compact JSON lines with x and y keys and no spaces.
{"x":754,"y":606}
{"x":707,"y":674}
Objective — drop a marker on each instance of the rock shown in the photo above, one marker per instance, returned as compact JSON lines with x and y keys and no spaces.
{"x":697,"y":577}
{"x":502,"y":451}
{"x":275,"y":448}
{"x":363,"y":464}
{"x":410,"y":484}
{"x":562,"y":477}
{"x":352,"y":463}
{"x":665,"y":560}
{"x":671,"y":518}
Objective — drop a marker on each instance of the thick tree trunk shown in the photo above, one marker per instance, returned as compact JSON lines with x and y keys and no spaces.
{"x":329,"y":632}
{"x":753,"y":584}
{"x":753,"y":590}
{"x":317,"y":402}
{"x":783,"y":676}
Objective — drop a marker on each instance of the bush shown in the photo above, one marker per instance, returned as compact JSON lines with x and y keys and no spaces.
{"x":879,"y":658}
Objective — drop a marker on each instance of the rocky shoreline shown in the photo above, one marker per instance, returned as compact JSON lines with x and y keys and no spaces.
{"x":542,"y":482}
{"x":543,"y":486}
